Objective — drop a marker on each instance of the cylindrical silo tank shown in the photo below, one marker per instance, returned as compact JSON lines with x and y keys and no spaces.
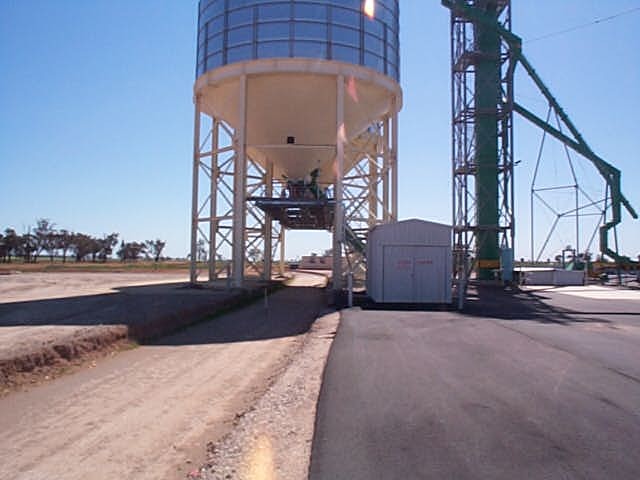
{"x":290,"y":53}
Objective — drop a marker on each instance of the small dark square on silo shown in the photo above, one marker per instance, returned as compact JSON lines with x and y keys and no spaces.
{"x":291,"y":140}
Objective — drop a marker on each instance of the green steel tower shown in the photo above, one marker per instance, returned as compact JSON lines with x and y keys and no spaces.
{"x":482,"y":138}
{"x":487,"y":98}
{"x":484,"y":56}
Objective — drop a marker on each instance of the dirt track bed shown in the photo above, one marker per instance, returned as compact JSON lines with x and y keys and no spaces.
{"x":50,"y":322}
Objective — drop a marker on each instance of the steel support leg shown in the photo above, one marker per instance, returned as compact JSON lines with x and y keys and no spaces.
{"x":268,"y":226}
{"x":394,"y":165}
{"x":282,"y":259}
{"x":338,"y":226}
{"x":373,"y":191}
{"x":213,"y":200}
{"x":194,"y":197}
{"x":386,"y":156}
{"x":239,"y":189}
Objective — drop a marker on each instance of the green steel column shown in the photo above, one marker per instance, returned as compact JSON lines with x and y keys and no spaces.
{"x":487,"y":96}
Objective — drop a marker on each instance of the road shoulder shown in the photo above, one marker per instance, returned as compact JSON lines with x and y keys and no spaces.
{"x":273,"y":439}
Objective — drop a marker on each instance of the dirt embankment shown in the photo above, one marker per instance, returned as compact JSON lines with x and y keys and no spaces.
{"x":43,"y":265}
{"x":59,"y":354}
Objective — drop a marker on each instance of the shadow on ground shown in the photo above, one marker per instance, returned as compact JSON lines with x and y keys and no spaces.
{"x":151,"y":311}
{"x":284,"y":314}
{"x":544,"y":306}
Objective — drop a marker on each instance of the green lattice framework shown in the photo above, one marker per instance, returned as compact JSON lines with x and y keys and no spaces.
{"x":484,"y":48}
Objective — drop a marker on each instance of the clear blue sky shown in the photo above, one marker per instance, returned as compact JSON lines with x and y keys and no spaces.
{"x":96,"y":114}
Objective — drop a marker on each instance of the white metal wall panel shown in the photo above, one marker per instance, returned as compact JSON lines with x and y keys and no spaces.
{"x":397,"y":274}
{"x":554,"y":277}
{"x":431,"y":281}
{"x":415,"y":274}
{"x":569,"y":277}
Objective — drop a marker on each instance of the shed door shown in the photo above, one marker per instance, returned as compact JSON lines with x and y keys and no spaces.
{"x":429,"y":274}
{"x":413,"y":273}
{"x":397,"y":274}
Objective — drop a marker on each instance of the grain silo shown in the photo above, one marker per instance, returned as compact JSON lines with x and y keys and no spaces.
{"x":296,"y":107}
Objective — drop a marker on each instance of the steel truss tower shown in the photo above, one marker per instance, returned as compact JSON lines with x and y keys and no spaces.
{"x":485,"y":54}
{"x":482,"y":119}
{"x":223,"y":223}
{"x":240,"y":210}
{"x":370,"y":190}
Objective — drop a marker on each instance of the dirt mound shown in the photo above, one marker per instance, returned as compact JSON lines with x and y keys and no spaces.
{"x":48,"y":361}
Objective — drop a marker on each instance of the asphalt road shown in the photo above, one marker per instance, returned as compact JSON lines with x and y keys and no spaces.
{"x":546,"y":387}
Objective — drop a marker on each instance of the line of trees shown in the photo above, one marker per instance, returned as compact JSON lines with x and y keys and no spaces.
{"x":44,"y":238}
{"x":150,"y":249}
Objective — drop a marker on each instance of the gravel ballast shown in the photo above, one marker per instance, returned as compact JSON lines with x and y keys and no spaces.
{"x":273,"y":439}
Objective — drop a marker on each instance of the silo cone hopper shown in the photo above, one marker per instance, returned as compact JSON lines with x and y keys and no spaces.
{"x":291,"y":112}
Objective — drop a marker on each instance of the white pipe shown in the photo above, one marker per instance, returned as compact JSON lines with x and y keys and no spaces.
{"x":282,"y":250}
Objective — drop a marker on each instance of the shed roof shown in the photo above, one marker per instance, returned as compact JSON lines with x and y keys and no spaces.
{"x":409,"y":232}
{"x":418,"y":223}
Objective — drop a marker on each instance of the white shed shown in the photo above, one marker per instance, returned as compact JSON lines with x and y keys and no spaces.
{"x":409,"y":262}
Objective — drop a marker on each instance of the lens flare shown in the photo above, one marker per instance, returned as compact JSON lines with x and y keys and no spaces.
{"x":342,"y":133}
{"x":370,"y":8}
{"x":261,"y":461}
{"x":352,"y":89}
